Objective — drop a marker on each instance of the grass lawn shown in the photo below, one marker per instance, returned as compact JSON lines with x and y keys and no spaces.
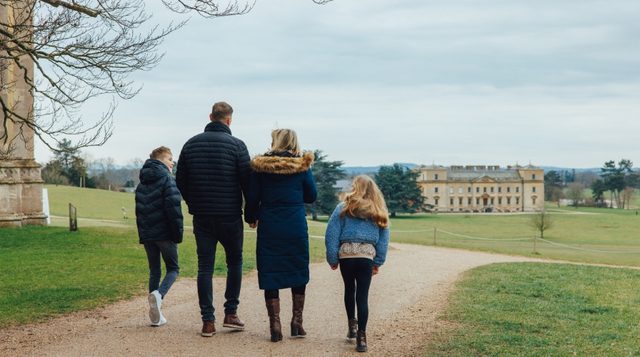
{"x":528,"y":309}
{"x":50,"y":271}
{"x":597,"y":229}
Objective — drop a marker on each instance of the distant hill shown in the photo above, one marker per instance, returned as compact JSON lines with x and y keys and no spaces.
{"x":364,"y":170}
{"x":358,"y":170}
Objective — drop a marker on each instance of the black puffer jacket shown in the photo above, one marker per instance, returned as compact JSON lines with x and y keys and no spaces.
{"x":213,"y":172}
{"x":158,"y":211}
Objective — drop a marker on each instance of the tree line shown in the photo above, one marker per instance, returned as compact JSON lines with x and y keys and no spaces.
{"x":619,"y":180}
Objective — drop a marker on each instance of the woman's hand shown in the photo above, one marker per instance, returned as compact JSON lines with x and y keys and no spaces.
{"x":375,"y":270}
{"x":254,"y":224}
{"x":333,"y":266}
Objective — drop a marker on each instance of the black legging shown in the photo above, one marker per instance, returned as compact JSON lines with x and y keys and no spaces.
{"x":275,"y":294}
{"x":356,"y":273}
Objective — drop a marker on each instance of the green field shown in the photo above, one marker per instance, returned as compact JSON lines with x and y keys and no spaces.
{"x":529,"y":309}
{"x":49,"y":271}
{"x":594,"y":235}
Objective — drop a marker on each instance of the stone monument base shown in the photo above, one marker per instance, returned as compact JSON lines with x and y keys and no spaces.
{"x":20,"y":193}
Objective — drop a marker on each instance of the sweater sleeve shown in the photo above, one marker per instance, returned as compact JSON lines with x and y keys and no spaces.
{"x":381,"y":247}
{"x":332,"y":236}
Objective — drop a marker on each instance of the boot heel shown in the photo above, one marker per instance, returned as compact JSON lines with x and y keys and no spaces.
{"x":294,"y":330}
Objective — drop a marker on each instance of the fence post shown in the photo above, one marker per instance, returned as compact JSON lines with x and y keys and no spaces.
{"x":73,"y":218}
{"x":435,"y":230}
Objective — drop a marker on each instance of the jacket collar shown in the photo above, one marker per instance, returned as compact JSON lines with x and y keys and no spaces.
{"x":282,"y":165}
{"x":217,"y":126}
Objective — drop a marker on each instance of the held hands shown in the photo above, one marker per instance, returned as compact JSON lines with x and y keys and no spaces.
{"x":333,"y":266}
{"x":375,"y":270}
{"x":254,"y":224}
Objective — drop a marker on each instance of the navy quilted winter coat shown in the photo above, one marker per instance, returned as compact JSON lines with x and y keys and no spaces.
{"x":279,"y":188}
{"x":158,"y":211}
{"x":213,"y":171}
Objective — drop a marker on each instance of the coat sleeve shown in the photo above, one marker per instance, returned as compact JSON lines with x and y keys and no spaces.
{"x":243,"y":170}
{"x":381,"y":247}
{"x":332,"y":236}
{"x":181,"y":175}
{"x":310,"y":193}
{"x":253,"y":195}
{"x":173,"y":210}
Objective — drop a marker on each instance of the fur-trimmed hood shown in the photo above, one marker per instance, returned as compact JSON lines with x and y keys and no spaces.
{"x":282,"y":165}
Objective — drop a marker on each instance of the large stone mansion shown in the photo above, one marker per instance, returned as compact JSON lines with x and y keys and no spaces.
{"x":482,"y":188}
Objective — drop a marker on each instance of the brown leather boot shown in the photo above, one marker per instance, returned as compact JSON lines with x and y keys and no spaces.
{"x":361,"y":341}
{"x":273,"y":309}
{"x":296,"y":319}
{"x":353,"y":328}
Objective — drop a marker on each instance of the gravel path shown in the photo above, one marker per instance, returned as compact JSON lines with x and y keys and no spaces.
{"x":405,"y":300}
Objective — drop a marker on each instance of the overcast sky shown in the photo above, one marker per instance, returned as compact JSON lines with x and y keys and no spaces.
{"x":380,"y":81}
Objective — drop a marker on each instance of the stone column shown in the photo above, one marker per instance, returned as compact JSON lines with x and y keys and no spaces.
{"x":20,"y":179}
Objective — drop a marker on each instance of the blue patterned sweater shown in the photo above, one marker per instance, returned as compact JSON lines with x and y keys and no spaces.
{"x":350,"y":229}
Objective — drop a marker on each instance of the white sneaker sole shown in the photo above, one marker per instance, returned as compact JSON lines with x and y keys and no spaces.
{"x":154,"y":310}
{"x":235,"y":327}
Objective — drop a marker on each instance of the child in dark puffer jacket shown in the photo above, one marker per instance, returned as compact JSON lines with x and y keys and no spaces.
{"x":160,"y":228}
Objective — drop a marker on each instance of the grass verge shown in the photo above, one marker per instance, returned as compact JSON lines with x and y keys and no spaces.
{"x":533,"y":309}
{"x":49,"y":271}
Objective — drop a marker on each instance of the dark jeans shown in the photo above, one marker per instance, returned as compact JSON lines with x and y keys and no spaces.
{"x":169,"y":252}
{"x":356,"y":274}
{"x":209,"y":230}
{"x":275,"y":294}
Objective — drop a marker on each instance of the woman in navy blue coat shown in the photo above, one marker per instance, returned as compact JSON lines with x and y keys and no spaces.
{"x":281,"y":183}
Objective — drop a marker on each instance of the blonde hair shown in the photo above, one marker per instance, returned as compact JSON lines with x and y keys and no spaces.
{"x":285,"y":140}
{"x":157,"y":153}
{"x":366,"y":201}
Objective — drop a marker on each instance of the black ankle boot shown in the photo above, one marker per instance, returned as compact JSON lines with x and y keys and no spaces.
{"x":361,"y":341}
{"x":353,"y":328}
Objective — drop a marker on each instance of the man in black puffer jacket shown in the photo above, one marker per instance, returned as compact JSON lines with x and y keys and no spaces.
{"x":213,"y":174}
{"x":159,"y":220}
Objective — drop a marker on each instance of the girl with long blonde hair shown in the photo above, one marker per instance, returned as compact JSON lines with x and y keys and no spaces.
{"x":357,"y":240}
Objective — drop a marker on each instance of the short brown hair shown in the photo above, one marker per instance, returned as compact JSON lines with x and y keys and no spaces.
{"x":221,"y":110}
{"x":157,"y":153}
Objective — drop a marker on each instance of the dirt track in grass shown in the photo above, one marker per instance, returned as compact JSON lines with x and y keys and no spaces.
{"x":404,"y":302}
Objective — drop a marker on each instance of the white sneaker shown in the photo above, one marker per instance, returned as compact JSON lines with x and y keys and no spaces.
{"x":155,"y":302}
{"x":161,"y":322}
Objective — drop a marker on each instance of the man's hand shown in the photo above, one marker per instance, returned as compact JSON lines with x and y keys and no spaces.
{"x":375,"y":270}
{"x":333,"y":266}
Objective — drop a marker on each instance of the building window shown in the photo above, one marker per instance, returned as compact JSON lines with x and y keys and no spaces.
{"x":435,"y":189}
{"x":517,"y":200}
{"x":469,"y":201}
{"x":477,"y":201}
{"x":534,"y":200}
{"x":492,"y":201}
{"x":508,"y":200}
{"x":517,"y":189}
{"x":499,"y":189}
{"x":469,"y":189}
{"x":436,"y":201}
{"x":484,"y":189}
{"x":451,"y":201}
{"x":533,"y":177}
{"x":477,"y":189}
{"x":435,"y":176}
{"x":533,"y":189}
{"x":460,"y":190}
{"x":499,"y":200}
{"x":451,"y":190}
{"x":460,"y":201}
{"x":491,"y":189}
{"x":508,"y":189}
